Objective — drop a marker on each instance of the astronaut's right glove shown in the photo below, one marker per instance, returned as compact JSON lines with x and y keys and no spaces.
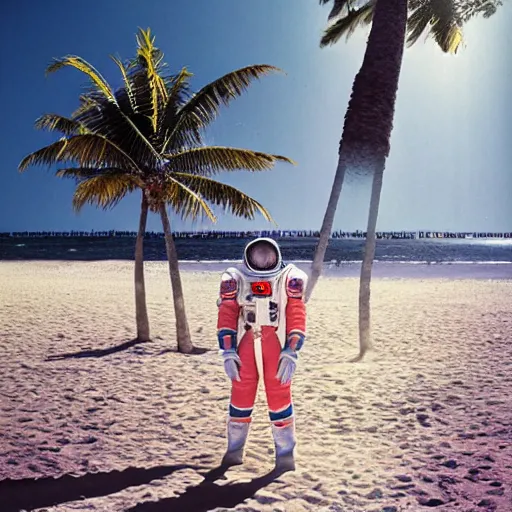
{"x":232,"y":364}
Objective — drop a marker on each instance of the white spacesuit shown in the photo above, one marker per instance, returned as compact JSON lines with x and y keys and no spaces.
{"x":261,"y":327}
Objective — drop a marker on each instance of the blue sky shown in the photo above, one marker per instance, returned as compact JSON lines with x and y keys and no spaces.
{"x":450,"y":163}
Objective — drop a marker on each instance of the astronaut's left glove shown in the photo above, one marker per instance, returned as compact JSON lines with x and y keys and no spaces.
{"x":287,"y":365}
{"x":288,"y":356}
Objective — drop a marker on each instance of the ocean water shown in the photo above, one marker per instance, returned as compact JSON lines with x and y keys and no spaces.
{"x":408,"y":258}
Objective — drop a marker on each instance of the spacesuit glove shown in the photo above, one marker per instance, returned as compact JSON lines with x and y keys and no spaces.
{"x":287,"y":365}
{"x":231,"y":364}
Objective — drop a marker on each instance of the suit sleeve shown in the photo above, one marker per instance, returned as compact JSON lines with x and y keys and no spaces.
{"x":229,"y":311}
{"x":296,"y":282}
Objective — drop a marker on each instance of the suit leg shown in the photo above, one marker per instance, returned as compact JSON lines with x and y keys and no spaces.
{"x":279,"y":399}
{"x":243,"y":395}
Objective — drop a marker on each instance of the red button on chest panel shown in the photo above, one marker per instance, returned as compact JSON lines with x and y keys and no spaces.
{"x":261,"y":289}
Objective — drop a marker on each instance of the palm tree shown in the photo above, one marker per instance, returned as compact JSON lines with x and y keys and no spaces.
{"x":147,"y":135}
{"x":364,"y":144}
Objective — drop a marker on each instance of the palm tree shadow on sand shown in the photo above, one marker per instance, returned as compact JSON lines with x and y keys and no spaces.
{"x":208,"y":495}
{"x":102,"y":352}
{"x":34,"y":493}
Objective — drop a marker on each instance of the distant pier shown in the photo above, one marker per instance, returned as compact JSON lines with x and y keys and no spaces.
{"x":348,"y":235}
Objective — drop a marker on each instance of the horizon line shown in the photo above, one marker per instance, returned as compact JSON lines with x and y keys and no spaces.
{"x":282,"y":233}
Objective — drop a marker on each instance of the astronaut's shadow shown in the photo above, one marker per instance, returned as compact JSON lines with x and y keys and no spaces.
{"x":208,"y":495}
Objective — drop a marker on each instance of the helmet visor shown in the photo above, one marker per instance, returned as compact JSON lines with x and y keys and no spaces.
{"x":262,"y":255}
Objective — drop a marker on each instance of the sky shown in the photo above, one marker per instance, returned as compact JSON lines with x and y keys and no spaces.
{"x":450,"y":166}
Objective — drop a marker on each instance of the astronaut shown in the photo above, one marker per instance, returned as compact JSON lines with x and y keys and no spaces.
{"x":261,"y":328}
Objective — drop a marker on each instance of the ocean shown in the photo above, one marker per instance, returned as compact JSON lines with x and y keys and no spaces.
{"x":406,"y":258}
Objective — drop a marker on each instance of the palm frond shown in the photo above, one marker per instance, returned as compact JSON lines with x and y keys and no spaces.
{"x":80,"y":174}
{"x":88,"y":69}
{"x":184,"y":200}
{"x":98,"y":150}
{"x":448,"y":37}
{"x":151,"y":59}
{"x":57,"y":123}
{"x":141,"y":89}
{"x":417,"y":23}
{"x":126,"y":82}
{"x":108,"y":119}
{"x":220,"y":194}
{"x":210,"y":160}
{"x":204,"y":107}
{"x":87,"y":103}
{"x":470,"y":8}
{"x":347,"y":25}
{"x":44,"y":156}
{"x":177,"y":97}
{"x":105,"y":190}
{"x":91,"y":103}
{"x":337,"y":8}
{"x":442,"y":21}
{"x":88,"y":150}
{"x":179,"y":86}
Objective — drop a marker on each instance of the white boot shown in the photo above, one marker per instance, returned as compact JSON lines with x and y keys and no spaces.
{"x":237,"y":436}
{"x":284,"y":440}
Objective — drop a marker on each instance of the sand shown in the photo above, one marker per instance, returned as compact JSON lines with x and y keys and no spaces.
{"x":424,"y":423}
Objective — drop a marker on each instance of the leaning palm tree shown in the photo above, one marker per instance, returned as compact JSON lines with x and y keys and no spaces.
{"x":364,"y":144}
{"x":147,"y":135}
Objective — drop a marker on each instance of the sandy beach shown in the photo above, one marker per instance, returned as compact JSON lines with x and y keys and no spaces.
{"x":424,"y":423}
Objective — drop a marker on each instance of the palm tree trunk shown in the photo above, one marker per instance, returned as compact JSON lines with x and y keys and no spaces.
{"x":141,"y":310}
{"x":366,"y":267}
{"x":182,"y":331}
{"x":326,"y":230}
{"x":368,"y":127}
{"x":369,"y":117}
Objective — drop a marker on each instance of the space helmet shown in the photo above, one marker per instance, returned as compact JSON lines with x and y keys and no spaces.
{"x":262,"y":257}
